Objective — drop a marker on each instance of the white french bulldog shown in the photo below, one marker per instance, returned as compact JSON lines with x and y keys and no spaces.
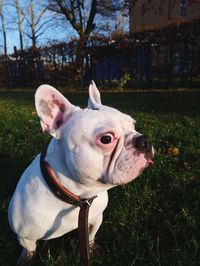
{"x":92,"y":150}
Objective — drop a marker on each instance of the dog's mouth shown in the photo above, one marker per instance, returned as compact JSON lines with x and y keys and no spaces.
{"x":130,"y":166}
{"x":135,"y":156}
{"x":149,"y":162}
{"x":149,"y":156}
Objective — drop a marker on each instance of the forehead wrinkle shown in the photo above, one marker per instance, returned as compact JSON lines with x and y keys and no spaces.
{"x":109,"y":126}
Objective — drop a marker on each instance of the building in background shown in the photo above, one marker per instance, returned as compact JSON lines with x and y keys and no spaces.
{"x":153,"y":14}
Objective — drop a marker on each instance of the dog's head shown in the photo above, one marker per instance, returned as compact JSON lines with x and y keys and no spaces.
{"x":100,"y":143}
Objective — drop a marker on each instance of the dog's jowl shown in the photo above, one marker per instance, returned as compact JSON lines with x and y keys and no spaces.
{"x":91,"y":151}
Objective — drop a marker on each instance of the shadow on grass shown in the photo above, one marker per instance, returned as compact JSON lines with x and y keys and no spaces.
{"x":185,"y":103}
{"x":11,"y":169}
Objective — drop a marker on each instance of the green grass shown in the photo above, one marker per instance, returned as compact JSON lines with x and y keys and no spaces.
{"x":152,"y":221}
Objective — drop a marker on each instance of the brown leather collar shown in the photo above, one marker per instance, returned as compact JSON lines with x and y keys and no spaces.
{"x":65,"y":195}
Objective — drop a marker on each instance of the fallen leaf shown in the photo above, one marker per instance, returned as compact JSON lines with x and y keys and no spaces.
{"x":173,"y":151}
{"x":192,"y":178}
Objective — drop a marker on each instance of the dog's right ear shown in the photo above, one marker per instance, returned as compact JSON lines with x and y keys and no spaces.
{"x":52,"y":108}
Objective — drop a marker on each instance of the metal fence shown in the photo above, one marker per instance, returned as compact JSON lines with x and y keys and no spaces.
{"x":163,"y":58}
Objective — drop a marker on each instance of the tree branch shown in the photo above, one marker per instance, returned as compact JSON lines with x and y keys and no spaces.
{"x":90,"y":25}
{"x":40,"y":15}
{"x":42,"y":25}
{"x":70,"y":16}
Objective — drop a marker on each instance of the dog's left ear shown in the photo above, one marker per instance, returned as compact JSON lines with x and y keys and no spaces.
{"x":94,"y":101}
{"x":52,"y":108}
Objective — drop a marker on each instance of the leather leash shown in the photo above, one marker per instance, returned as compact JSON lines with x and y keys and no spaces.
{"x":65,"y":195}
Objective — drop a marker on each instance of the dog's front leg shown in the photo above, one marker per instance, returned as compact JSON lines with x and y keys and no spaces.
{"x":93,"y":228}
{"x":28,"y":252}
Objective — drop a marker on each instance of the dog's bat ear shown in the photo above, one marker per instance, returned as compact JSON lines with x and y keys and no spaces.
{"x":52,"y":108}
{"x":94,"y":101}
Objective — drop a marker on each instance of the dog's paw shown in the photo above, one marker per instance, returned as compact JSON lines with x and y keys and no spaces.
{"x":95,"y":249}
{"x":26,"y":258}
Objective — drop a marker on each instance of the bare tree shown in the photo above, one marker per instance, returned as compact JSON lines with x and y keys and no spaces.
{"x":3,"y":27}
{"x":20,"y":19}
{"x":83,"y":16}
{"x":82,"y":23}
{"x":36,"y":19}
{"x":34,"y":23}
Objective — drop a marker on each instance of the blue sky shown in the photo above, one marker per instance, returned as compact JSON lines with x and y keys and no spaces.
{"x":59,"y":32}
{"x":57,"y":29}
{"x":54,"y":34}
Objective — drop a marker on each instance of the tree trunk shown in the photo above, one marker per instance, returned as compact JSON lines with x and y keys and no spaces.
{"x":33,"y":34}
{"x":19,"y":24}
{"x":3,"y":29}
{"x":5,"y":43}
{"x":80,"y":57}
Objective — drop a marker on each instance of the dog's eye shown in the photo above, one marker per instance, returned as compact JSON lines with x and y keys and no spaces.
{"x":106,"y":139}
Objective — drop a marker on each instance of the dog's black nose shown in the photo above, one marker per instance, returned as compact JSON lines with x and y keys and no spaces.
{"x":142,"y":143}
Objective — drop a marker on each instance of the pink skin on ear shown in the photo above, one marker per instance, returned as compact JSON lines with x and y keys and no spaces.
{"x":52,"y":108}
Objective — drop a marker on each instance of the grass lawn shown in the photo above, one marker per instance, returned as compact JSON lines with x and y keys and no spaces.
{"x":154,"y":220}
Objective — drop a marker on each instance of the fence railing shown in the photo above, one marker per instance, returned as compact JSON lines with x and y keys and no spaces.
{"x":160,"y":59}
